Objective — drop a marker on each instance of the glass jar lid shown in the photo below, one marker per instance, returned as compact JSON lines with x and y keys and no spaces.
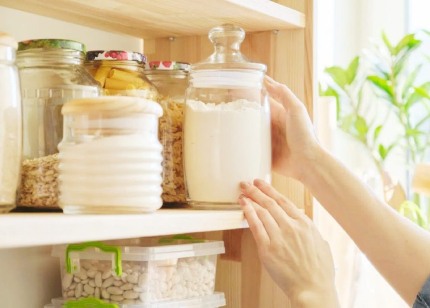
{"x":51,"y":44}
{"x":227,"y":55}
{"x":169,"y":66}
{"x":116,"y":55}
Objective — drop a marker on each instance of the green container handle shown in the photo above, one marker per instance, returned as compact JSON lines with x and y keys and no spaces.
{"x":103,"y":247}
{"x":89,"y":302}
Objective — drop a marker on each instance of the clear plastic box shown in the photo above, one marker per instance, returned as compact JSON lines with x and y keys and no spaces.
{"x":208,"y":301}
{"x":132,"y":274}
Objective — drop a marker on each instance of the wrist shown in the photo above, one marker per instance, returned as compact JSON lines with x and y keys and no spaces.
{"x":315,"y":298}
{"x":310,"y":165}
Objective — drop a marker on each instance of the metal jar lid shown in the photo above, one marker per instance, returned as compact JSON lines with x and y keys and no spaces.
{"x":116,"y":55}
{"x":169,"y":65}
{"x":51,"y":44}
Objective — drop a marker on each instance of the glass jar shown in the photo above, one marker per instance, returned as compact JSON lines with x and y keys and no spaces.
{"x":10,"y":125}
{"x":110,"y":156}
{"x":171,"y":80}
{"x":120,"y":73}
{"x":227,"y":124}
{"x":51,"y":73}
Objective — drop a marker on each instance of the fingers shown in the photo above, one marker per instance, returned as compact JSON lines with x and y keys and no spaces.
{"x":265,"y":202}
{"x":289,"y":207}
{"x":281,"y":93}
{"x":255,"y":224}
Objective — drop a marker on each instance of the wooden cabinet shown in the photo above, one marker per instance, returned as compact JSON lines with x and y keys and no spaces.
{"x":279,"y":34}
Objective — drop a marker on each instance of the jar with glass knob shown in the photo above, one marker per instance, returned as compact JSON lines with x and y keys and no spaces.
{"x":227,"y":124}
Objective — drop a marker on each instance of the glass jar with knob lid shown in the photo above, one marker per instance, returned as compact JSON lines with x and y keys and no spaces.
{"x":227,"y":123}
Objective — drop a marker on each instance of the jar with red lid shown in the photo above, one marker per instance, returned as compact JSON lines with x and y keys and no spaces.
{"x":171,"y":80}
{"x":120,"y":73}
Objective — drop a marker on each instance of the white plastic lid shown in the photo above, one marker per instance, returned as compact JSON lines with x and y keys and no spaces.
{"x":161,"y":252}
{"x":209,"y":301}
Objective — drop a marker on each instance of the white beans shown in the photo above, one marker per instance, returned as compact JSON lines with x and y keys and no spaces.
{"x":166,"y":279}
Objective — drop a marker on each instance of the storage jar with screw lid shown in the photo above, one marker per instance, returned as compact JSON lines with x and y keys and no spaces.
{"x":171,"y":81}
{"x":10,"y":125}
{"x":110,"y":156}
{"x":227,"y":123}
{"x":52,"y":72}
{"x":120,"y":73}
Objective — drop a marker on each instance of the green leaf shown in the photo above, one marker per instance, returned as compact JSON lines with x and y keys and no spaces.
{"x":387,"y":43}
{"x":351,"y":71}
{"x":384,"y":151}
{"x":413,"y":212}
{"x":377,"y":132}
{"x":408,"y":42}
{"x":338,"y":75}
{"x":410,"y":79}
{"x":361,"y":127}
{"x":382,"y":84}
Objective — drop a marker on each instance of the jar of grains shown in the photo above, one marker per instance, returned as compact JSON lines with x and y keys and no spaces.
{"x":52,"y":72}
{"x":110,"y":156}
{"x":171,"y":81}
{"x":10,"y":125}
{"x":227,"y":123}
{"x":120,"y":73}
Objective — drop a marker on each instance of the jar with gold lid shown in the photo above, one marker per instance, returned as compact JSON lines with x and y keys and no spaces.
{"x":171,"y":81}
{"x":52,"y":72}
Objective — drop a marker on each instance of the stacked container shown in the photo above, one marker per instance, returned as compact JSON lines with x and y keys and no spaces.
{"x":110,"y":156}
{"x":178,"y":270}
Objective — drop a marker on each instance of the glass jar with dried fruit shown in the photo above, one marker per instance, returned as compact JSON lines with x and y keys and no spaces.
{"x":120,"y":73}
{"x":171,"y":80}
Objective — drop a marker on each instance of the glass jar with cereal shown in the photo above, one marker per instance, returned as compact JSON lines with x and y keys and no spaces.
{"x":171,"y":80}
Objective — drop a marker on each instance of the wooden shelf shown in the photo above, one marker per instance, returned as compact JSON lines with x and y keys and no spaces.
{"x":36,"y":229}
{"x":166,"y":18}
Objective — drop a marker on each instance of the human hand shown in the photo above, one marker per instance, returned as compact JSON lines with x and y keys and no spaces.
{"x":290,"y":247}
{"x":294,"y":144}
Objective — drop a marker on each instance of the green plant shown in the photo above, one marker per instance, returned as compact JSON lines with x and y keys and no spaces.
{"x":384,"y":85}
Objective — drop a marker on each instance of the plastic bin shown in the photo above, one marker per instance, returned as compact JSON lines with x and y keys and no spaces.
{"x":209,"y":301}
{"x":131,"y":274}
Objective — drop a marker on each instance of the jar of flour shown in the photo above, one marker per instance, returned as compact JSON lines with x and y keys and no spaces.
{"x":227,"y":124}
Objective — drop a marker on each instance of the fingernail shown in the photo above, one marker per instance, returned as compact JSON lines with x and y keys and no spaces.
{"x":244,"y":185}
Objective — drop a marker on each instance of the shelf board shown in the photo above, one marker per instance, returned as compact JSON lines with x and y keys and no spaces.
{"x":36,"y":229}
{"x":167,"y":18}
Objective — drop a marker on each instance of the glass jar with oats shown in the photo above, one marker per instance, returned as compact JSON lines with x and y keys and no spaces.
{"x":171,"y":81}
{"x":120,"y":73}
{"x":52,"y":73}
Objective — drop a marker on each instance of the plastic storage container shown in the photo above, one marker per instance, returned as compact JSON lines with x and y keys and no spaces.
{"x":110,"y":156}
{"x":227,"y":123}
{"x":120,"y":73}
{"x":208,"y":301}
{"x":10,"y":125}
{"x":127,"y":274}
{"x":52,"y":72}
{"x":171,"y":80}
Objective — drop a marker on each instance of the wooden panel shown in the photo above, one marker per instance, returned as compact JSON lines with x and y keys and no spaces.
{"x":148,"y":18}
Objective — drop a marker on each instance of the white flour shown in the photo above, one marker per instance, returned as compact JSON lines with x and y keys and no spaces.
{"x":224,"y":144}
